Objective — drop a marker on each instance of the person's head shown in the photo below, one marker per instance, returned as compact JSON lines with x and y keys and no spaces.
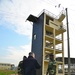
{"x":51,"y":56}
{"x":32,"y":54}
{"x":24,"y":57}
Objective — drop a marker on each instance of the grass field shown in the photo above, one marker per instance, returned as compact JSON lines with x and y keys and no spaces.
{"x":7,"y":72}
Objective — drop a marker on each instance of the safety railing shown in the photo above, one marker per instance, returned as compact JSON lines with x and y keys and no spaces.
{"x":51,"y":14}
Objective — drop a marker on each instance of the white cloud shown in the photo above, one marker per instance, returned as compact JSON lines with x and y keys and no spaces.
{"x":15,"y":13}
{"x":16,"y":54}
{"x":25,"y":29}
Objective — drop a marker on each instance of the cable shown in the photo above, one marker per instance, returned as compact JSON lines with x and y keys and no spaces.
{"x":71,"y":9}
{"x":48,"y":2}
{"x":53,"y":2}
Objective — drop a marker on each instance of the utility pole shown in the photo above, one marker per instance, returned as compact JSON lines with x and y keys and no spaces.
{"x":68,"y":44}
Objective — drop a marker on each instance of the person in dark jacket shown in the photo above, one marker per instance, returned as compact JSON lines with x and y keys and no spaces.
{"x":30,"y":65}
{"x":20,"y":66}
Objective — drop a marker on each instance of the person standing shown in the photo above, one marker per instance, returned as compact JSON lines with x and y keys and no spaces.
{"x":51,"y":70}
{"x":30,"y":65}
{"x":20,"y":66}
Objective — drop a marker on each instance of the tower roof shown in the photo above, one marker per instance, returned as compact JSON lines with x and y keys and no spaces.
{"x":60,"y":17}
{"x":32,"y":18}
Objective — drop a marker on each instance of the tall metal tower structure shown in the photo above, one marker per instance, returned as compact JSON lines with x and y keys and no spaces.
{"x":48,"y":37}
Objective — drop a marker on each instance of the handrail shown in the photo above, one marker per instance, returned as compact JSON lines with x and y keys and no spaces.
{"x":62,"y":12}
{"x":63,"y":27}
{"x":51,"y":14}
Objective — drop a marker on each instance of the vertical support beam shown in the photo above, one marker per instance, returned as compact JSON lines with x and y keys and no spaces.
{"x":68,"y":42}
{"x":43,"y":56}
{"x":54,"y":49}
{"x":63,"y":52}
{"x":54,"y":44}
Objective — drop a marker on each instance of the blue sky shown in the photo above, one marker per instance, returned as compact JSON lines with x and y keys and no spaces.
{"x":16,"y":34}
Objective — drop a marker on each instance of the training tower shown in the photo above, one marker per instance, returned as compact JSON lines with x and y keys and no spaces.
{"x":48,"y":37}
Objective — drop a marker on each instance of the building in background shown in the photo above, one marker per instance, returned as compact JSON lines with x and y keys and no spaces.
{"x":72,"y":65}
{"x":6,"y":66}
{"x":48,"y":37}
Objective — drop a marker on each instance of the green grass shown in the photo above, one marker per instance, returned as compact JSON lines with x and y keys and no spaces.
{"x":7,"y":72}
